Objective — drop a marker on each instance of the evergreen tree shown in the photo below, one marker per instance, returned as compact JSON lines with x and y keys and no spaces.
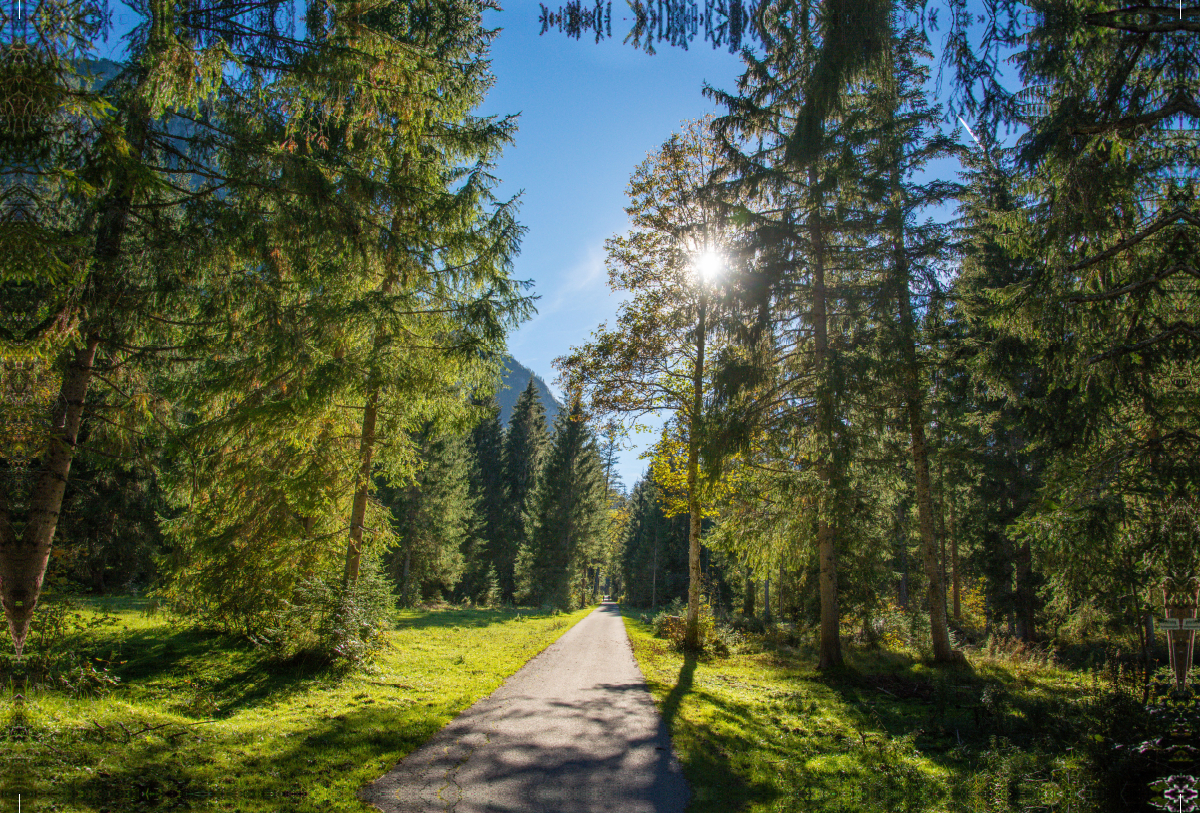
{"x":400,"y":322}
{"x":566,"y":518}
{"x":654,"y":555}
{"x":486,"y":559}
{"x":787,"y":383}
{"x":913,"y":252}
{"x":1103,"y":296}
{"x":434,"y":518}
{"x":525,"y":446}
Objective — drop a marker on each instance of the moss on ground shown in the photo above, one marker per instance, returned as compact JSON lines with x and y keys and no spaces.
{"x":205,"y":721}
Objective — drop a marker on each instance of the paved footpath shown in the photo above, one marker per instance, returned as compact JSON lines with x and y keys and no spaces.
{"x":574,"y":731}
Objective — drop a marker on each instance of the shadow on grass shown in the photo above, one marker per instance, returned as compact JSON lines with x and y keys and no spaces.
{"x":683,"y":685}
{"x":952,"y":708}
{"x":342,"y":752}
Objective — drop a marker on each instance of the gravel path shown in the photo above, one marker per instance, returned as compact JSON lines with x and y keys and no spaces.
{"x":574,"y":731}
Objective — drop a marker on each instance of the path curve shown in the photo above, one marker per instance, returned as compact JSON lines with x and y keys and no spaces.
{"x":573,"y":731}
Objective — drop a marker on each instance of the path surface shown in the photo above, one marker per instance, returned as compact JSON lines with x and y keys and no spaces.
{"x":574,"y":731}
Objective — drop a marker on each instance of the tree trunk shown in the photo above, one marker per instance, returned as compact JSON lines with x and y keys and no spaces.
{"x":915,"y":405}
{"x":941,"y":519}
{"x":954,"y":572}
{"x":901,"y":531}
{"x":831,"y":643}
{"x":942,"y":652}
{"x":405,"y":587}
{"x":691,"y":639}
{"x":767,"y":599}
{"x":1026,"y":597}
{"x":654,"y":571}
{"x":748,"y":598}
{"x":23,"y":560}
{"x":362,"y":485}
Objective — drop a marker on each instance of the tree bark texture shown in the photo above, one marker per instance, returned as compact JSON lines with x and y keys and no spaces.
{"x":362,"y":485}
{"x":830,"y":643}
{"x":1026,"y":597}
{"x":692,"y":631}
{"x":954,"y":572}
{"x":914,"y":403}
{"x":24,"y":556}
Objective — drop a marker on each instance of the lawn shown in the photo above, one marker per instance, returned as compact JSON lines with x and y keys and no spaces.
{"x":764,"y":730}
{"x":203,"y":720}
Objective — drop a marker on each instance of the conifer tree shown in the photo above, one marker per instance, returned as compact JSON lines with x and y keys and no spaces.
{"x":654,"y":554}
{"x":486,"y":444}
{"x":433,"y":517}
{"x":1105,"y":298}
{"x":787,"y":381}
{"x":566,"y":517}
{"x":369,"y":268}
{"x":913,"y":252}
{"x":525,"y":445}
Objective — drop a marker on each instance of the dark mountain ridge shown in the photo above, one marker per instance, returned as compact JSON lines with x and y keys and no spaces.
{"x":513,"y":383}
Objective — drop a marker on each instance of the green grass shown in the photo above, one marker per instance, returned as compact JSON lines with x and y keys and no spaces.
{"x":208,"y":721}
{"x":764,"y":730}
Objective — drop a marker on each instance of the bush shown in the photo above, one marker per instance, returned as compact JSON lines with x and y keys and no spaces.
{"x":334,"y":623}
{"x":671,"y":624}
{"x":54,"y":656}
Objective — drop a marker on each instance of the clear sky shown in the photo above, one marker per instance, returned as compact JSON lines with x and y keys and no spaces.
{"x":589,"y":114}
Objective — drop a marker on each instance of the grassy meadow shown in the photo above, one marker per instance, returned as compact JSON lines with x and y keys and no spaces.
{"x":171,"y":718}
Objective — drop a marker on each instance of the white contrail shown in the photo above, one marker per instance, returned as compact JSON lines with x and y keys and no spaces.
{"x":972,"y":132}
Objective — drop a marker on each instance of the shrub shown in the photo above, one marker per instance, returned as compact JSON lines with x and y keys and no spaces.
{"x":671,"y":624}
{"x":53,"y":656}
{"x":332,"y":622}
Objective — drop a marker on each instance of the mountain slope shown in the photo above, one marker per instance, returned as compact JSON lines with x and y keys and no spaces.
{"x":514,"y":381}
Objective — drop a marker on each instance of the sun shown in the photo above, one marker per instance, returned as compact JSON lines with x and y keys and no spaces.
{"x":708,"y":264}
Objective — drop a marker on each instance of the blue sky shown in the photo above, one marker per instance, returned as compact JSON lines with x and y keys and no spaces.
{"x":590,"y":113}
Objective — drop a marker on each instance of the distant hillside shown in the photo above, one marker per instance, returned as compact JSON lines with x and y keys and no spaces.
{"x":514,"y":383}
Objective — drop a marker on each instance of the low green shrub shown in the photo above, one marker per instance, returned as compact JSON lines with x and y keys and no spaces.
{"x":671,"y":624}
{"x":331,"y":622}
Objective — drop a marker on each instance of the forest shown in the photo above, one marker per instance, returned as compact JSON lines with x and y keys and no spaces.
{"x":923,"y":389}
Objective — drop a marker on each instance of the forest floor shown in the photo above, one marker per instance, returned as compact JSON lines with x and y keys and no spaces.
{"x":187,"y":719}
{"x":763,"y":730}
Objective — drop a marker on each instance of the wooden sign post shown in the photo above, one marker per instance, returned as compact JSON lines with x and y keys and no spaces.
{"x":1180,"y":625}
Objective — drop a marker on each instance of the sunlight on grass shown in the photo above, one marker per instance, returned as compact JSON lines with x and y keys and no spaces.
{"x":200,"y":717}
{"x":763,"y":730}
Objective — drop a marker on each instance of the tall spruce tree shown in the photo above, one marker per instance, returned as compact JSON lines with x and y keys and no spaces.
{"x":525,"y":444}
{"x":913,"y":252}
{"x":370,"y":268}
{"x":566,"y":517}
{"x":1106,"y":298}
{"x":486,"y":445}
{"x":786,"y":384}
{"x":434,"y":518}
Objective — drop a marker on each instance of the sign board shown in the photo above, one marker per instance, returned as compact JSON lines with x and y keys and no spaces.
{"x":1177,"y":623}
